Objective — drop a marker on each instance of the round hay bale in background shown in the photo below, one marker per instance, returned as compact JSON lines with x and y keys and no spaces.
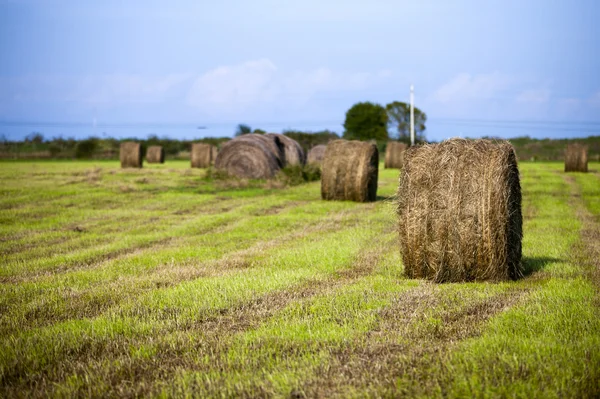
{"x":349,"y":171}
{"x":459,"y":210}
{"x":316,"y":154}
{"x":213,"y":154}
{"x":576,"y":158}
{"x":293,"y":154}
{"x":251,"y":156}
{"x":201,"y":155}
{"x":130,"y":155}
{"x":394,"y":153}
{"x":155,"y":154}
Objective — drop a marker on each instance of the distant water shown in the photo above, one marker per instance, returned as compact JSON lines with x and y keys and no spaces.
{"x":437,"y":129}
{"x":181,"y":131}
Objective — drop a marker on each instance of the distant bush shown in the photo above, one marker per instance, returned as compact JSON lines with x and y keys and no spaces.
{"x":308,"y":140}
{"x":86,"y":148}
{"x":54,"y":149}
{"x":294,"y":175}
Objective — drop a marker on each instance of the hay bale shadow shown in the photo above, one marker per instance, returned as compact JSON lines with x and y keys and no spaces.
{"x":534,"y":264}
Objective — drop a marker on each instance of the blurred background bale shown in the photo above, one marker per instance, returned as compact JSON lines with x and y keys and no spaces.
{"x":394,"y":152}
{"x":459,"y":211}
{"x":252,"y":156}
{"x":293,"y":153}
{"x":576,"y":158}
{"x":155,"y":154}
{"x":349,"y":171}
{"x":201,"y":155}
{"x":316,"y":154}
{"x":130,"y":154}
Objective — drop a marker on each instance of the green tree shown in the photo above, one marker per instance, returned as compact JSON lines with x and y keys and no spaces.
{"x":242,"y":129}
{"x":86,"y":148}
{"x":366,"y":121}
{"x":399,"y":121}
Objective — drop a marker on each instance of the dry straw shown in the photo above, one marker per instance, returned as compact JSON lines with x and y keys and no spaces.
{"x":201,"y":155}
{"x":576,"y":158}
{"x":349,"y":171}
{"x":459,"y":208}
{"x":394,"y":152}
{"x":213,"y":154}
{"x":252,"y":156}
{"x":316,"y":154}
{"x":130,"y":155}
{"x":155,"y":154}
{"x":293,"y":153}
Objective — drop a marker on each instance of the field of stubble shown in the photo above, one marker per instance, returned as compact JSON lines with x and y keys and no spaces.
{"x":159,"y":282}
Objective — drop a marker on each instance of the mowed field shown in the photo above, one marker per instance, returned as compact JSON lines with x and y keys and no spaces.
{"x":159,"y":282}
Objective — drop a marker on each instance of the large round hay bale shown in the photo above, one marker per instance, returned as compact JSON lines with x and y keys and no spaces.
{"x":349,"y":171}
{"x":459,"y":209}
{"x":213,"y":154}
{"x":130,"y":155}
{"x":155,"y":154}
{"x":576,"y":158}
{"x":251,"y":156}
{"x":293,"y":154}
{"x":201,"y":155}
{"x":394,"y":153}
{"x":316,"y":154}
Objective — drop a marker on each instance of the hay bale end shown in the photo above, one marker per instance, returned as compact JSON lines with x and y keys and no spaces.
{"x":201,"y":155}
{"x":394,"y":153}
{"x":576,"y":158}
{"x":155,"y":154}
{"x":316,"y":154}
{"x":459,"y":211}
{"x":130,"y":154}
{"x":349,"y":171}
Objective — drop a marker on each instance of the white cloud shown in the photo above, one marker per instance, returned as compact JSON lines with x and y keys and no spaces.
{"x":234,"y":86}
{"x":230,"y":90}
{"x":469,"y":87}
{"x":537,"y":96}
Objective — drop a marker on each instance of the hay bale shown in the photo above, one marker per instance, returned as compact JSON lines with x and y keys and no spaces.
{"x":201,"y":155}
{"x":251,"y":156}
{"x":394,"y":153}
{"x":213,"y":154}
{"x":316,"y":154}
{"x":155,"y":154}
{"x":350,"y":171}
{"x":293,"y":154}
{"x":459,"y":209}
{"x":130,"y":155}
{"x":576,"y":158}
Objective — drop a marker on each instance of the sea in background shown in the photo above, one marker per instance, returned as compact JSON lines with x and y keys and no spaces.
{"x":437,"y":129}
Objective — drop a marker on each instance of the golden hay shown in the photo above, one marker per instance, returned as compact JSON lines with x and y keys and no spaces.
{"x":251,"y":156}
{"x":316,"y":154}
{"x":349,"y":171}
{"x":394,"y":152}
{"x":130,"y":155}
{"x":155,"y":154}
{"x":213,"y":154}
{"x":459,"y":209}
{"x":201,"y":155}
{"x":576,"y":158}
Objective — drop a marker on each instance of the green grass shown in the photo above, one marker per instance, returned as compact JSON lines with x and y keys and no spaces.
{"x":161,"y":282}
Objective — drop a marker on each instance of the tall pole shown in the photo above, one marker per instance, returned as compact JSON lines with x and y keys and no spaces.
{"x":412,"y":115}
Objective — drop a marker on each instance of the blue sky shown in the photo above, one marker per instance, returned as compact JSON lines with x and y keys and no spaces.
{"x":503,"y":68}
